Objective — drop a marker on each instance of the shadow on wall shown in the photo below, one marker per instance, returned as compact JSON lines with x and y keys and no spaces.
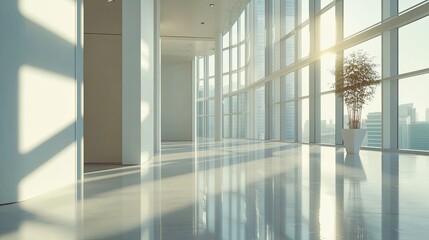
{"x":38,"y":98}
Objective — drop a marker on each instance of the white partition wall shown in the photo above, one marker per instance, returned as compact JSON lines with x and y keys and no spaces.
{"x":138,"y":24}
{"x":38,"y":103}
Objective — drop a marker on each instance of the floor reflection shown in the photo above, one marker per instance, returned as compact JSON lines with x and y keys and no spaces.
{"x":236,"y":190}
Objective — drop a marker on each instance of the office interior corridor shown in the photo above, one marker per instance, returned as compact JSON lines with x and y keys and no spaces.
{"x":237,"y":190}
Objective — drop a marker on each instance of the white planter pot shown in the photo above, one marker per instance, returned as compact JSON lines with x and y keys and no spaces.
{"x":353,"y":139}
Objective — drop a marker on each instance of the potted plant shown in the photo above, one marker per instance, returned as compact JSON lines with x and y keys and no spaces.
{"x":356,"y":82}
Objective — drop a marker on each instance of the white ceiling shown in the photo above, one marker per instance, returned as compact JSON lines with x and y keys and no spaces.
{"x":182,"y":34}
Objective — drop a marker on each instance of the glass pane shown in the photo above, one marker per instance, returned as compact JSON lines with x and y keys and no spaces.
{"x":327,"y":124}
{"x":242,"y":55}
{"x":405,"y":4}
{"x":305,"y":10}
{"x":210,"y":127}
{"x":211,"y":65}
{"x":201,"y":88}
{"x":305,"y":81}
{"x":234,"y":59}
{"x":304,"y":105}
{"x":226,"y":124}
{"x":226,"y":105}
{"x":289,"y":51}
{"x":211,"y":87}
{"x":211,"y":107}
{"x":225,"y":66}
{"x":234,"y":104}
{"x":260,"y":113}
{"x":327,"y":29}
{"x":200,"y":108}
{"x":234,"y":126}
{"x":324,"y":3}
{"x":226,"y":40}
{"x":260,"y":40}
{"x":413,"y":113}
{"x":234,"y":82}
{"x":201,"y":127}
{"x":201,"y":71}
{"x":353,"y":20}
{"x":242,"y":104}
{"x":288,"y":14}
{"x":242,"y":125}
{"x":289,"y":122}
{"x":242,"y":79}
{"x":289,"y":86}
{"x":234,"y":34}
{"x":225,"y":84}
{"x":327,"y":65}
{"x":275,"y":122}
{"x":242,"y":26}
{"x":413,"y":46}
{"x":305,"y":42}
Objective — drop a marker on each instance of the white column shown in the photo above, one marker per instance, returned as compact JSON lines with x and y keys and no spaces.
{"x":218,"y":88}
{"x":157,"y":80}
{"x":390,"y":88}
{"x":138,"y":72}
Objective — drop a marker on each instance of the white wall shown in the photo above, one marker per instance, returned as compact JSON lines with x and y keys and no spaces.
{"x":176,"y":103}
{"x":103,"y":81}
{"x":37,"y":97}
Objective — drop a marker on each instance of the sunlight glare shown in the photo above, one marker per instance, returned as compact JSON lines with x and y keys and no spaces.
{"x":59,"y":17}
{"x":46,"y":106}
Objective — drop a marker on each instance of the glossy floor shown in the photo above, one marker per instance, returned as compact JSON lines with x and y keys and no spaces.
{"x":236,"y":190}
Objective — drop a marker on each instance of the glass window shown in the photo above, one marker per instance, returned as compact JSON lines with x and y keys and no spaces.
{"x":327,"y":29}
{"x":289,"y":121}
{"x":405,"y":4}
{"x":289,"y":86}
{"x":327,"y":124}
{"x":288,"y":15}
{"x":226,"y":132}
{"x":226,"y":40}
{"x":201,"y":68}
{"x":304,"y":105}
{"x":260,"y":112}
{"x":413,"y":113}
{"x":242,"y":55}
{"x":211,"y":65}
{"x":304,"y":10}
{"x":226,"y":105}
{"x":353,"y":20}
{"x":234,"y":59}
{"x":242,"y":79}
{"x":242,"y":26}
{"x":327,"y":65}
{"x":201,"y":88}
{"x":304,"y":81}
{"x":225,"y":59}
{"x":305,"y":42}
{"x":324,"y":3}
{"x":211,"y":87}
{"x":413,"y":46}
{"x":289,"y":51}
{"x":225,"y":84}
{"x":234,"y":32}
{"x":260,"y":40}
{"x":234,"y":82}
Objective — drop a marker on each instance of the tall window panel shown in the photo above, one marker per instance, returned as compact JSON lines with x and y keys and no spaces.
{"x":413,"y":109}
{"x":275,"y":110}
{"x":205,"y":96}
{"x":235,"y":66}
{"x":327,"y":99}
{"x":405,"y":4}
{"x":288,"y":105}
{"x":260,"y":35}
{"x":260,"y":113}
{"x":327,"y":29}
